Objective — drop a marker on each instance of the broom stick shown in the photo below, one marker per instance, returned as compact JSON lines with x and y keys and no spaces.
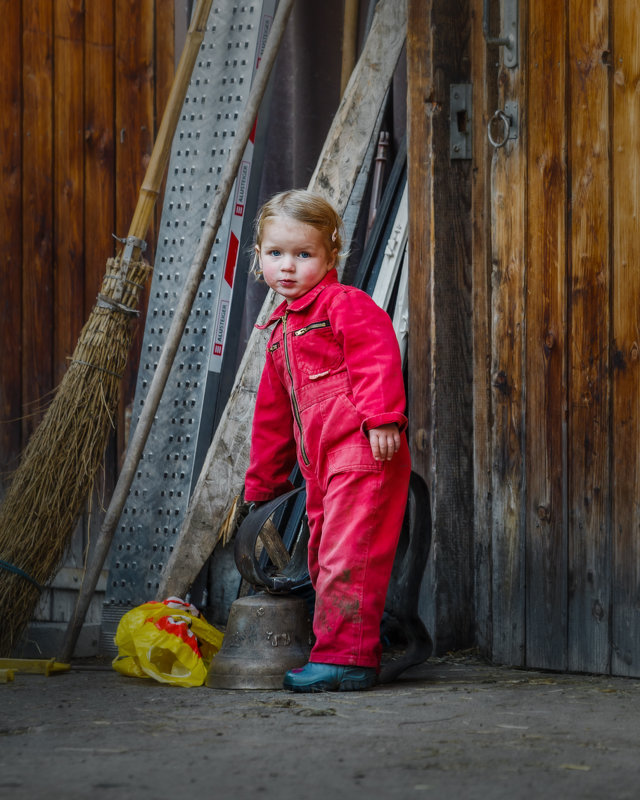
{"x":349,"y":42}
{"x":59,"y":464}
{"x":180,"y":318}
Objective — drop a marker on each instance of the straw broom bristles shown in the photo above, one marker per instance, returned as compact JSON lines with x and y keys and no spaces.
{"x":59,"y":464}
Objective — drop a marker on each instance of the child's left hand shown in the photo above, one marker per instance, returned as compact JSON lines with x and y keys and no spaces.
{"x":384,"y":441}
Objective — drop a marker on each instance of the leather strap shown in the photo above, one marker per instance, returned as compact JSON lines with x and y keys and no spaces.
{"x":295,"y":574}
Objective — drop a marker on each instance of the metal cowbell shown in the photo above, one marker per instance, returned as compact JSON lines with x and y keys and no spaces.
{"x":266,"y":636}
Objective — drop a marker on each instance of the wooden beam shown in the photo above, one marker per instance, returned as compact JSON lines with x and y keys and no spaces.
{"x":10,"y":240}
{"x":507,"y":214}
{"x":625,"y":358}
{"x":223,"y":472}
{"x":134,"y":129}
{"x":37,"y":209}
{"x":99,"y":154}
{"x":422,"y":105}
{"x":484,"y":84}
{"x":545,"y":323}
{"x":440,"y":355}
{"x":68,"y":181}
{"x":589,"y":289}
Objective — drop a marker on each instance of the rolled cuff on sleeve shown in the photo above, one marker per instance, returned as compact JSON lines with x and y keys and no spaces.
{"x":256,"y":494}
{"x":384,"y":419}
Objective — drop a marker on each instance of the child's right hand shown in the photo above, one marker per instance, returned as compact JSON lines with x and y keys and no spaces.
{"x":384,"y":441}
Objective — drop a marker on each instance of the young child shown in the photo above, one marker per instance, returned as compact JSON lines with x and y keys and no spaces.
{"x":332,"y":396}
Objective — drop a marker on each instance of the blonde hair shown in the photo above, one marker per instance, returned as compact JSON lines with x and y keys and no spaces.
{"x":302,"y":206}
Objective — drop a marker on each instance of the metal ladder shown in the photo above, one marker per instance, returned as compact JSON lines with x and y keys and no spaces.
{"x":183,"y":426}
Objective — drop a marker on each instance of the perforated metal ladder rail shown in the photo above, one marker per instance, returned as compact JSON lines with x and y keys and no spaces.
{"x":182,"y":429}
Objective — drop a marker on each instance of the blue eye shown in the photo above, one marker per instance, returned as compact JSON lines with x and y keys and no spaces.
{"x":274,"y":252}
{"x":304,"y":254}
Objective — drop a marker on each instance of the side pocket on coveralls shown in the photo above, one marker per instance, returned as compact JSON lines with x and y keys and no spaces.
{"x":346,"y":447}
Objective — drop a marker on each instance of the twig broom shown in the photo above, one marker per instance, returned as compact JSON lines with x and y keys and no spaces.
{"x":59,"y":464}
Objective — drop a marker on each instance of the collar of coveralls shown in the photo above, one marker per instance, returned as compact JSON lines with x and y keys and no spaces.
{"x":301,"y":302}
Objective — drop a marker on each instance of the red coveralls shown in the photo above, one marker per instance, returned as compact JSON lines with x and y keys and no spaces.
{"x":333,"y":372}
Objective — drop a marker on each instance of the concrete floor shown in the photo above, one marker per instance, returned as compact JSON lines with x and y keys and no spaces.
{"x":453,"y":727}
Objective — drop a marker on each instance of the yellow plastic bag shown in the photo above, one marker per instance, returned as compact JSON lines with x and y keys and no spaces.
{"x":167,"y":641}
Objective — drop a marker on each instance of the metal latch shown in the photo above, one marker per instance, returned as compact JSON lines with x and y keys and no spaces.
{"x":509,"y":38}
{"x":460,"y":120}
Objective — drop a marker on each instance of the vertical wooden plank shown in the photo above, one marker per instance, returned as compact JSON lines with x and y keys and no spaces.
{"x":625,"y":59}
{"x":134,"y":115}
{"x":545,"y":313}
{"x":447,"y":287}
{"x":37,"y":208}
{"x":165,"y":58}
{"x":483,"y":80}
{"x":508,"y":188}
{"x":99,"y":202}
{"x":421,"y":106}
{"x":589,"y":292}
{"x":99,"y":155}
{"x":68,"y":180}
{"x":452,"y":497}
{"x":10,"y":238}
{"x":134,"y":102}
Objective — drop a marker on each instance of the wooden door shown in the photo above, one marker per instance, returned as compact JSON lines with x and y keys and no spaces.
{"x":556,"y":339}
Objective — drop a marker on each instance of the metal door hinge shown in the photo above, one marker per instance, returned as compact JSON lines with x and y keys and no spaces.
{"x":460,"y":120}
{"x":509,"y":38}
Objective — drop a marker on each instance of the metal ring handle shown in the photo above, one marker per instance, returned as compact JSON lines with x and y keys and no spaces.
{"x":505,"y":120}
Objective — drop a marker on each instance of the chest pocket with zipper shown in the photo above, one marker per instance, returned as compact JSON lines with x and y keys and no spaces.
{"x":315,"y":348}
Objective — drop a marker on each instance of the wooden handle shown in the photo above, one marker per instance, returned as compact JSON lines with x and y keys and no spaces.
{"x":349,"y":42}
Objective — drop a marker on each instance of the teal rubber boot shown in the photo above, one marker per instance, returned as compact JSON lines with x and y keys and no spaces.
{"x":316,"y":677}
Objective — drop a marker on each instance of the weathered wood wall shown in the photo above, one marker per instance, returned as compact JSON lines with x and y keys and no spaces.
{"x":83,"y":88}
{"x":556,"y":341}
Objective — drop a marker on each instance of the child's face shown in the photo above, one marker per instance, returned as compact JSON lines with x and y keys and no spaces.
{"x":293,"y":257}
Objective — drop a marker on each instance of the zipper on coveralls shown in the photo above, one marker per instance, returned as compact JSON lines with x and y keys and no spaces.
{"x":294,"y":401}
{"x":301,"y":331}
